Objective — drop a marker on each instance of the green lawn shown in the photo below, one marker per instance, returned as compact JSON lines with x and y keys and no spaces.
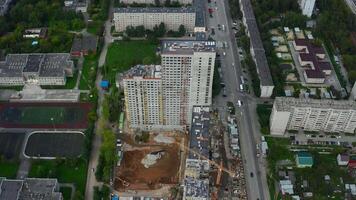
{"x":90,"y":65}
{"x":123,"y":55}
{"x":95,"y":27}
{"x":69,"y":171}
{"x":8,"y":169}
{"x":66,"y":192}
{"x":17,"y":88}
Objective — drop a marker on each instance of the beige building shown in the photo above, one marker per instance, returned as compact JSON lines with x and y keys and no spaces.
{"x":150,"y":17}
{"x":312,"y":115}
{"x":184,"y":2}
{"x":163,"y":97}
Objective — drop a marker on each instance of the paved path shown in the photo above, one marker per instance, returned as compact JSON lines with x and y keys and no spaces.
{"x":95,"y":152}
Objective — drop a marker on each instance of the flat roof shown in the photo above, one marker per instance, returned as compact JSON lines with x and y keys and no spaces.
{"x":143,"y":71}
{"x":263,"y":68}
{"x":199,"y":6}
{"x":187,"y":46}
{"x":10,"y":189}
{"x":199,"y":134}
{"x":196,"y":187}
{"x":50,"y":64}
{"x":155,"y":10}
{"x":84,"y":43}
{"x":287,"y":103}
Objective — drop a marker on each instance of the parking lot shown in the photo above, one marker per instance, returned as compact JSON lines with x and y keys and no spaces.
{"x":322,"y":139}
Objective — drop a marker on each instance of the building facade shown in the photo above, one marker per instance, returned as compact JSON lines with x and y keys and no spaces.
{"x":164,"y":98}
{"x":312,"y":115}
{"x":40,"y":69}
{"x":184,"y":2}
{"x":150,"y":17}
{"x":307,"y":7}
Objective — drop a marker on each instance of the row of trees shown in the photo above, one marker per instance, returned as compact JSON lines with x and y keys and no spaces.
{"x":158,"y":31}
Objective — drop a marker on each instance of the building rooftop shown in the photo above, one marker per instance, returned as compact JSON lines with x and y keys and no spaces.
{"x":144,"y":71}
{"x":198,"y":188}
{"x":51,"y":64}
{"x":287,"y":103}
{"x":199,"y":134}
{"x":155,"y":10}
{"x":187,"y":46}
{"x":256,"y":44}
{"x":199,"y":6}
{"x":29,"y":189}
{"x":84,"y":43}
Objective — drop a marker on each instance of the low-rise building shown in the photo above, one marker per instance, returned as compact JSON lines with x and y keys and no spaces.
{"x":150,"y":17}
{"x":286,"y":187}
{"x":76,"y":5}
{"x":84,"y":45}
{"x":343,"y":159}
{"x":304,"y":159}
{"x":35,"y":33}
{"x":313,"y":60}
{"x":312,"y":115}
{"x":37,"y":68}
{"x":29,"y":189}
{"x":307,"y":7}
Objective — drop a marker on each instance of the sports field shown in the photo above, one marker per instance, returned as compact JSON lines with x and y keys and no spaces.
{"x":44,"y":115}
{"x":50,"y":144}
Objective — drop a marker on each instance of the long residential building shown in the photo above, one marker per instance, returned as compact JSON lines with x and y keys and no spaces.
{"x":184,"y":2}
{"x":307,"y":7}
{"x":41,"y":69}
{"x":312,"y":115}
{"x":150,"y":17}
{"x":163,"y":97}
{"x":257,"y":50}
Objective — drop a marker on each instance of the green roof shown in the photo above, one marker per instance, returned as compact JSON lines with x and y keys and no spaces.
{"x":305,"y":158}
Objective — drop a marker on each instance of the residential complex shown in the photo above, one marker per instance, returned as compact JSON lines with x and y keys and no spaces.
{"x":257,"y":50}
{"x":163,"y":97}
{"x":307,"y":7}
{"x":150,"y":17}
{"x":30,"y":188}
{"x":312,"y":115}
{"x":41,"y":69}
{"x":155,"y":1}
{"x":313,"y":60}
{"x":196,"y":174}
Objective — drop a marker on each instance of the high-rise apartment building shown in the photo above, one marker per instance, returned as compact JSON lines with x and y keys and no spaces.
{"x":163,"y":97}
{"x":307,"y":7}
{"x":312,"y":115}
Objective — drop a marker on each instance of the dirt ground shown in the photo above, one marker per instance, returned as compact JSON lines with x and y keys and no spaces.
{"x":132,"y":175}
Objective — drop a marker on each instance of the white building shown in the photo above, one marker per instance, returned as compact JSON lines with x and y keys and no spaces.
{"x":150,"y":17}
{"x":312,"y":115}
{"x":185,"y":80}
{"x":41,"y":69}
{"x":307,"y":7}
{"x":184,"y":2}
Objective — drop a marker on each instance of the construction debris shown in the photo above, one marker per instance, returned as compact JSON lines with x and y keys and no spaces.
{"x":163,"y":139}
{"x":151,"y":159}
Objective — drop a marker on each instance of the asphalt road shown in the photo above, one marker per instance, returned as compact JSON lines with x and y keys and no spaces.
{"x":257,"y":187}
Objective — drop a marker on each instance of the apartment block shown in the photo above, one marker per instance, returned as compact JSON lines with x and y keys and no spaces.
{"x":143,"y":97}
{"x":312,"y":115}
{"x":307,"y":7}
{"x":257,"y":50}
{"x":40,"y":69}
{"x":184,"y":2}
{"x":163,"y":97}
{"x":150,"y":17}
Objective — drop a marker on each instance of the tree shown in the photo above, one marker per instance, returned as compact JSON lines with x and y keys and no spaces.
{"x":182,"y":30}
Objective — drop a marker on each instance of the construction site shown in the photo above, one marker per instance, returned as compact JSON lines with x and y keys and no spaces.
{"x":152,"y":167}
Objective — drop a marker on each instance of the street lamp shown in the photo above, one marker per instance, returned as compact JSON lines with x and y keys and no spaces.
{"x":52,"y":120}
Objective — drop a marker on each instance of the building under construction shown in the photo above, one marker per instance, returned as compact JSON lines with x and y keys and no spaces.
{"x":162,"y":97}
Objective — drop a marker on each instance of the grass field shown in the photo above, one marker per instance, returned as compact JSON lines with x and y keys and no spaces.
{"x":66,"y":171}
{"x":88,"y":76}
{"x":42,"y":115}
{"x":123,"y":55}
{"x":69,"y":145}
{"x":66,"y":192}
{"x":8,"y":169}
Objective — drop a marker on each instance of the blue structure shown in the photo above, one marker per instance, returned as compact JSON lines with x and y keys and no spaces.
{"x":104,"y":84}
{"x":114,"y":197}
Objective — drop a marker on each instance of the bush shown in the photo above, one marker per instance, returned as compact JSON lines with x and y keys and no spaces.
{"x":264,"y":112}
